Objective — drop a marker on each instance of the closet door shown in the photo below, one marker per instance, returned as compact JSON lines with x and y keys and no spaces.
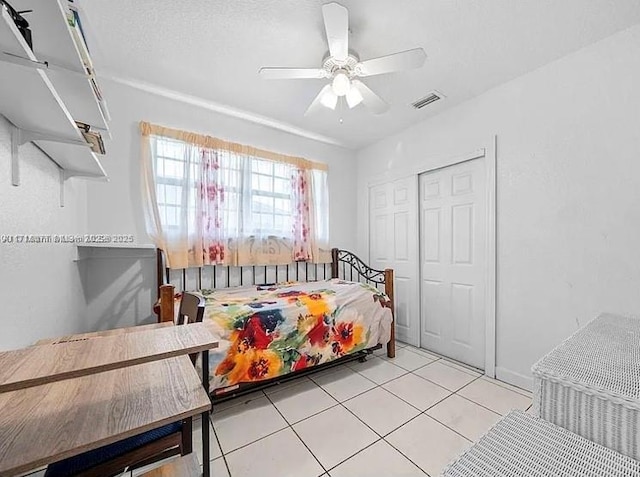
{"x":453,"y":261}
{"x":393,"y":243}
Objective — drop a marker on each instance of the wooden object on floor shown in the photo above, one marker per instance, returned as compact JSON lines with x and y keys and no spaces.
{"x":54,"y":421}
{"x":38,"y":365}
{"x":388,"y":290}
{"x":97,"y":334}
{"x":167,"y":305}
{"x":185,"y":466}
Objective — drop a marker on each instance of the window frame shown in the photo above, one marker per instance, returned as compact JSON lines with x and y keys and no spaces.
{"x":249,"y":227}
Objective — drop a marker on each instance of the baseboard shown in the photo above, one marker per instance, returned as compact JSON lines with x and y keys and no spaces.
{"x":516,"y":379}
{"x":402,"y":335}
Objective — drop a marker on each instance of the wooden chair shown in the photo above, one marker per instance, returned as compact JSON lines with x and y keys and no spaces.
{"x":143,"y":449}
{"x":191,"y":308}
{"x":191,"y":311}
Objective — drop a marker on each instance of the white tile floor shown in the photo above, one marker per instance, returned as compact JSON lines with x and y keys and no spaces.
{"x":403,"y":417}
{"x":407,"y":416}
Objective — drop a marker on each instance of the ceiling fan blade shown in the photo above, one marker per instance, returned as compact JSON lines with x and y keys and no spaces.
{"x":336,"y":24}
{"x":316,"y":104}
{"x":370,"y":99}
{"x":292,"y":73}
{"x":404,"y":60}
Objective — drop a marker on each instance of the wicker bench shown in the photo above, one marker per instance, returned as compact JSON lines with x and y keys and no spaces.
{"x":590,"y":384}
{"x":521,"y":445}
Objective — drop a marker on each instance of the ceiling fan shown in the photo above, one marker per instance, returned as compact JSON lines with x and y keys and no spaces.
{"x":344,"y":68}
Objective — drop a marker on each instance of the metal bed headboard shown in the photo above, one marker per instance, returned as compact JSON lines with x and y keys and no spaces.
{"x":223,"y":276}
{"x":345,"y":265}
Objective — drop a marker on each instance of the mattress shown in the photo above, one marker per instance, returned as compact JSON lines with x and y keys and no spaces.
{"x":271,"y":330}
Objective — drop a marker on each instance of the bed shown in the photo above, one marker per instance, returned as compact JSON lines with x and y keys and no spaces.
{"x":277,"y":323}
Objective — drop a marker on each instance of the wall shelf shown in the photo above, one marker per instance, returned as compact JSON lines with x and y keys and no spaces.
{"x":132,"y":246}
{"x":29,"y":100}
{"x":53,"y":42}
{"x":110,"y":251}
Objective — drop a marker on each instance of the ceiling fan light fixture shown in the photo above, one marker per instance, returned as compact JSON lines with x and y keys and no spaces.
{"x":354,"y":97}
{"x":343,"y":69}
{"x":329,"y":99}
{"x":341,"y":83}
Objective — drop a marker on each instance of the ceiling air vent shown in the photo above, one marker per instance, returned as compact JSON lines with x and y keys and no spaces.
{"x":432,"y":97}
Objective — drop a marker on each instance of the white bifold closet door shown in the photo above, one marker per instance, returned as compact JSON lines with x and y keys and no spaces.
{"x":453,"y":261}
{"x":393,"y":243}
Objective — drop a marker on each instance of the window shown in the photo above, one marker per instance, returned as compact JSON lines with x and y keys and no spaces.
{"x":210,"y":201}
{"x":172,"y":179}
{"x":269,"y":206}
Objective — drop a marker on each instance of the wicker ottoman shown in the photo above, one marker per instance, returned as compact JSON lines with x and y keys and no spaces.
{"x":521,"y":445}
{"x":590,"y":384}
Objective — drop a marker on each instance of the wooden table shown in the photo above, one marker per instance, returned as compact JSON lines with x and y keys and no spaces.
{"x":124,"y":392}
{"x":113,"y":332}
{"x":37,"y":365}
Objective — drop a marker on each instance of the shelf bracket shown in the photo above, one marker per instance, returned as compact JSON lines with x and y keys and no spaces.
{"x":20,"y":137}
{"x":39,"y":65}
{"x":26,"y":136}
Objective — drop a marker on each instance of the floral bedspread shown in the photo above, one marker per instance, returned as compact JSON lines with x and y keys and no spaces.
{"x":271,"y":330}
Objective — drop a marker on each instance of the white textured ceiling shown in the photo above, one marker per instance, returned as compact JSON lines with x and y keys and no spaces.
{"x":213,"y":50}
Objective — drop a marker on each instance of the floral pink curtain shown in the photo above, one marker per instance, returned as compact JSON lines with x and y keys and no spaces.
{"x":203,"y":207}
{"x":301,"y":199}
{"x":210,"y":208}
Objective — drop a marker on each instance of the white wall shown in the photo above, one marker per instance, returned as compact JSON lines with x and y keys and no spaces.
{"x":41,"y":293}
{"x":568,"y":199}
{"x":121,"y":290}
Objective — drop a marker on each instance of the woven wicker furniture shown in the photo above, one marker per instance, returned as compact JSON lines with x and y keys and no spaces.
{"x":590,"y":384}
{"x":521,"y":445}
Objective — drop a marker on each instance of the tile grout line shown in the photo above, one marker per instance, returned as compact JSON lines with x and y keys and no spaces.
{"x":449,"y":361}
{"x":352,"y":456}
{"x":382,"y":437}
{"x":393,"y":394}
{"x":238,"y":403}
{"x":406,"y":457}
{"x":445,"y":425}
{"x":254,"y":441}
{"x":286,"y":421}
{"x":440,"y":385}
{"x":451,"y":393}
{"x":376,"y":385}
{"x":442,"y":423}
{"x":260,"y":438}
{"x":298,"y":436}
{"x":481,"y":405}
{"x":512,"y":388}
{"x":478,"y":404}
{"x":224,"y":459}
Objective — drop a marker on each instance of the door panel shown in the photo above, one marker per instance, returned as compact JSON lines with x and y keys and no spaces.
{"x":401,"y":238}
{"x":452,"y":261}
{"x":431,"y":235}
{"x":393,"y":243}
{"x":402,"y":296}
{"x":462,"y":234}
{"x":431,"y":298}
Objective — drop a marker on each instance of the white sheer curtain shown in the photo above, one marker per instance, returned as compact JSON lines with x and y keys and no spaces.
{"x":212,"y":202}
